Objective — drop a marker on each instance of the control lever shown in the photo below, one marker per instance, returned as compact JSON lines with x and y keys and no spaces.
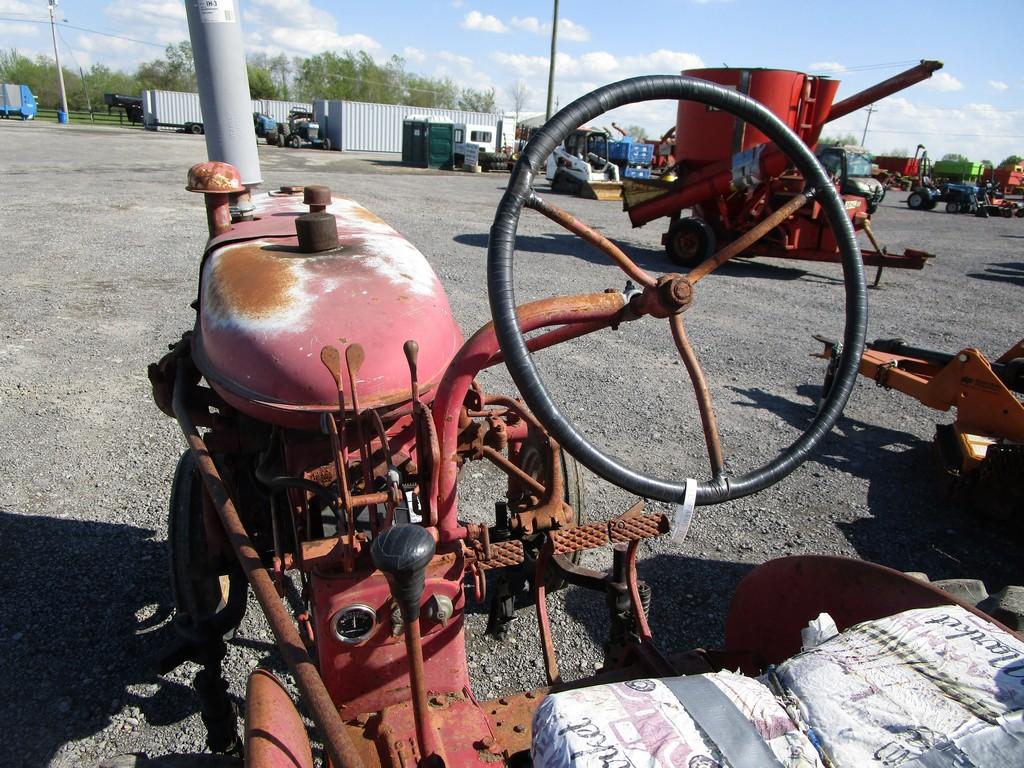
{"x":402,"y":554}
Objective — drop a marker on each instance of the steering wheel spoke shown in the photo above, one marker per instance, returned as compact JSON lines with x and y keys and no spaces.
{"x":751,"y":236}
{"x":708,"y":421}
{"x":595,"y":238}
{"x":670,"y":295}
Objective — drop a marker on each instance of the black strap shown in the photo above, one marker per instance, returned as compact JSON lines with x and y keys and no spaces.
{"x":728,"y":729}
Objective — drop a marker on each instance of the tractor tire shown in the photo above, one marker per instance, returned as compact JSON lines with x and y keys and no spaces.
{"x":280,"y":139}
{"x":930,"y":202}
{"x":294,"y":141}
{"x":326,"y":145}
{"x":1007,"y":212}
{"x":205,"y":594}
{"x":916,"y":200}
{"x":272,"y":138}
{"x":532,"y":459}
{"x":952,"y":207}
{"x":564,"y":184}
{"x":194,"y":128}
{"x":689,"y":242}
{"x":1019,"y":213}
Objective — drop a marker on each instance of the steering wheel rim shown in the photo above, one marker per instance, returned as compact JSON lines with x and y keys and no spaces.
{"x":501,"y":292}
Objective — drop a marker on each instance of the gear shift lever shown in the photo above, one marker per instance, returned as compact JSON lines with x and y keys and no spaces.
{"x":402,"y":554}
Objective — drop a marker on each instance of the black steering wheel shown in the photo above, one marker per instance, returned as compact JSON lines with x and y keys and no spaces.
{"x":501,"y":251}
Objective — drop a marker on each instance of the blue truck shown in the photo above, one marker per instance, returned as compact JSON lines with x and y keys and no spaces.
{"x":17,"y":101}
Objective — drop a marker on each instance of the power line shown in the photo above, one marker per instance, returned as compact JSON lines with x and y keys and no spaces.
{"x":947,"y":133}
{"x":84,"y":29}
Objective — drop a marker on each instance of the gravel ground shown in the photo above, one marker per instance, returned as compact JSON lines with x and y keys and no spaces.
{"x":99,"y":265}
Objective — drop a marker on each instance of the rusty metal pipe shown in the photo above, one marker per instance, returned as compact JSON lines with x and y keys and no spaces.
{"x":337,"y":742}
{"x":426,"y":735}
{"x":512,"y":470}
{"x":557,"y":336}
{"x":703,"y":394}
{"x":748,"y":238}
{"x":885,"y":88}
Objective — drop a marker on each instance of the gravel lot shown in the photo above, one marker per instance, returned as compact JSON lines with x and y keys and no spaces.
{"x":99,"y":265}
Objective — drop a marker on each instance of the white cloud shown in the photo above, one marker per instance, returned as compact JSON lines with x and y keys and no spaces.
{"x":570,"y":30}
{"x":20,"y":8}
{"x":943,"y":82}
{"x":826,"y":67}
{"x":998,"y":85}
{"x":567,"y":29}
{"x":415,"y":55}
{"x":478,"y":21}
{"x":15,"y":29}
{"x":529,"y":24}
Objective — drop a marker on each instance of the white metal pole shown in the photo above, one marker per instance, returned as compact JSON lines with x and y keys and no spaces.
{"x":56,"y":55}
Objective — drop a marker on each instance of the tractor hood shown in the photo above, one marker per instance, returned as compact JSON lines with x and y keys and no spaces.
{"x":266,"y":310}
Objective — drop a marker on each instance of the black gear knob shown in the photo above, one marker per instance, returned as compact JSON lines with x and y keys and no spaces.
{"x":402,"y":553}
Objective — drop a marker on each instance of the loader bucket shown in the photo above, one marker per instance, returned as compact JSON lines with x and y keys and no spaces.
{"x":602,"y":190}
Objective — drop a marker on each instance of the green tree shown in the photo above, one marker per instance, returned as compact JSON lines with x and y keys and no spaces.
{"x":1011,"y":161}
{"x":955,"y":157}
{"x":261,"y":84}
{"x":637,"y":132}
{"x":473,"y":100}
{"x":846,"y":138}
{"x":175,"y":72}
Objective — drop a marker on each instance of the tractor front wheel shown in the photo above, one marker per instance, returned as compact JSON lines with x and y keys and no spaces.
{"x":294,"y":141}
{"x":953,"y":207}
{"x":210,"y":592}
{"x":689,"y":242}
{"x":916,"y":201}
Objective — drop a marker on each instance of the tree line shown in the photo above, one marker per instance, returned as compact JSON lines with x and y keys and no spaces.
{"x":349,"y":76}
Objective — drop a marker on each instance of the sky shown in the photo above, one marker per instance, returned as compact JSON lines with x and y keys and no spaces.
{"x":973,"y":106}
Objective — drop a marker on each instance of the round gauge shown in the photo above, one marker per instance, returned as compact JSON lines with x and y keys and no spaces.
{"x":354,"y":623}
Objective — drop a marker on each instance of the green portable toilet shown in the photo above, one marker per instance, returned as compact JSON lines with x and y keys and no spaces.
{"x":427,"y":144}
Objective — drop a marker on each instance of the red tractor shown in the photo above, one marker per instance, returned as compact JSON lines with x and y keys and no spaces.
{"x":735,"y":182}
{"x":329,"y":402}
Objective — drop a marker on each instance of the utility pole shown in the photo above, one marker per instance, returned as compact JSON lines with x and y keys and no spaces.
{"x":551,"y":65}
{"x":56,"y":55}
{"x":871,"y":109}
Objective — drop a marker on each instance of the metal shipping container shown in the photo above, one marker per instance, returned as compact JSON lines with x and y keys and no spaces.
{"x":378,"y":127}
{"x":172,"y":109}
{"x":333,"y":128}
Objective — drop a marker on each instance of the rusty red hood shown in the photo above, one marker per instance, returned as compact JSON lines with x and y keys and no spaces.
{"x":266,"y":310}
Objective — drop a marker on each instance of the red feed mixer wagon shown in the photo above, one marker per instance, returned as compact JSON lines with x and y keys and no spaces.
{"x":742,"y":192}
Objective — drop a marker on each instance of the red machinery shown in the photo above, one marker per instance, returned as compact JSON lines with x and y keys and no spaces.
{"x":329,"y":404}
{"x":733,"y":178}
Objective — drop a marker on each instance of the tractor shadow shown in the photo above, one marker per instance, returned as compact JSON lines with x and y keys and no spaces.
{"x":914,"y":524}
{"x":85,"y":614}
{"x":1011,"y":272}
{"x":652,"y":260}
{"x":690,"y":601}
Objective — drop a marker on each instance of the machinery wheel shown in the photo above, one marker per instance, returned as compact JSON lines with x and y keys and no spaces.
{"x":997,"y":491}
{"x":272,"y":138}
{"x":916,"y":200}
{"x":689,"y":241}
{"x":930,"y":202}
{"x":952,"y":207}
{"x":195,"y":128}
{"x":1007,"y":212}
{"x":533,"y":459}
{"x":327,"y":144}
{"x":564,"y":184}
{"x":280,"y":139}
{"x":203,"y":591}
{"x":294,"y":141}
